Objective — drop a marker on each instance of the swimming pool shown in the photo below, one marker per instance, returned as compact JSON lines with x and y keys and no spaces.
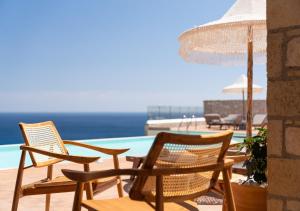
{"x":139,"y":146}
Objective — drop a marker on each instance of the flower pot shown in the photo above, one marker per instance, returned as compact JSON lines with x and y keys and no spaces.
{"x":249,"y":197}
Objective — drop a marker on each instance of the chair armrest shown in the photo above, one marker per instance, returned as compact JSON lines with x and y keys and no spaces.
{"x":238,"y":158}
{"x":228,"y":162}
{"x":135,"y":158}
{"x":96,"y":148}
{"x":72,"y":158}
{"x":81,"y":176}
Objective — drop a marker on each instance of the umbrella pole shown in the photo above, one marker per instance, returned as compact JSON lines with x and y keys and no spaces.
{"x":250,"y":79}
{"x":243,"y":92}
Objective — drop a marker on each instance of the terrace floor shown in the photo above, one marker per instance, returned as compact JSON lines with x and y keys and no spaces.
{"x":61,"y":201}
{"x":200,"y":127}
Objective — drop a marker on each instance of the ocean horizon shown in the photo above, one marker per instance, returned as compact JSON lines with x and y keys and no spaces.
{"x":75,"y":125}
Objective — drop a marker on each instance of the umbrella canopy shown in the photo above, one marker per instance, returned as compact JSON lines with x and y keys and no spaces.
{"x":224,"y":41}
{"x":241,"y":33}
{"x":240,"y":86}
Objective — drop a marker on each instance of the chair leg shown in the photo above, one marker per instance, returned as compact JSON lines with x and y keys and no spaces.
{"x":88,"y":185}
{"x":159,"y":201}
{"x":78,"y":197}
{"x":48,"y":197}
{"x":228,"y":191}
{"x":19,"y":182}
{"x":136,"y":164}
{"x":119,"y":185}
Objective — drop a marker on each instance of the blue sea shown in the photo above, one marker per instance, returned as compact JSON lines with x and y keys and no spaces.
{"x":75,"y":126}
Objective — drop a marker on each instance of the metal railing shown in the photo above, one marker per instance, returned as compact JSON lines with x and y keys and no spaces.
{"x":173,"y":112}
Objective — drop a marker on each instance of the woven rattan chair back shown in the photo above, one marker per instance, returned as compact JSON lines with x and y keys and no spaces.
{"x":182,"y":151}
{"x":43,"y":136}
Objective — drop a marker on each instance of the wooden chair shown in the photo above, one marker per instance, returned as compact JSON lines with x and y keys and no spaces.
{"x":46,"y":148}
{"x":177,"y":169}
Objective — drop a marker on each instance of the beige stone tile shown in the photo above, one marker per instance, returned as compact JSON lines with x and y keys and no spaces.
{"x":283,"y":13}
{"x":292,"y":140}
{"x":293,"y":52}
{"x":274,"y":55}
{"x":283,"y":98}
{"x":294,"y":73}
{"x":275,"y":136}
{"x":293,"y":205}
{"x":293,"y":32}
{"x":275,"y":205}
{"x":283,"y":177}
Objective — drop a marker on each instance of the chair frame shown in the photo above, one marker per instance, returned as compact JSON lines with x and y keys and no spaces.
{"x":30,"y":189}
{"x":147,"y":170}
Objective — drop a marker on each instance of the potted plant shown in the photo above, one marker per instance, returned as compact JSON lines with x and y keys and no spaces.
{"x":251,"y":193}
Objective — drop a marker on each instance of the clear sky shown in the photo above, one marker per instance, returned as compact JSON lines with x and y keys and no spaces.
{"x":106,"y":55}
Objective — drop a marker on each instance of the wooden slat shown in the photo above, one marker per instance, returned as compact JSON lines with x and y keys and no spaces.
{"x":61,"y":180}
{"x":126,"y":204}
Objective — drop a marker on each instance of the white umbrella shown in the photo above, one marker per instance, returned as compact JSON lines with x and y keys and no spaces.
{"x":240,"y":86}
{"x":239,"y":35}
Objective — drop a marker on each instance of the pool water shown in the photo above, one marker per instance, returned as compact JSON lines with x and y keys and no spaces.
{"x":139,"y":146}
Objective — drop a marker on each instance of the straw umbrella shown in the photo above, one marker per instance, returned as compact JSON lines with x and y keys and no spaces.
{"x":240,"y":87}
{"x":238,"y":36}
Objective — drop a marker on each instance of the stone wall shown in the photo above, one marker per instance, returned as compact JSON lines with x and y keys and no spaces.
{"x":225,"y":107}
{"x":283,"y":103}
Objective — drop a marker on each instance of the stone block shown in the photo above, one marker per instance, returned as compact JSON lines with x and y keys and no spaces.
{"x":283,"y":177}
{"x":292,"y":140}
{"x":274,"y":55}
{"x":275,"y":135}
{"x":293,"y":32}
{"x":275,"y":205}
{"x":289,"y":122}
{"x":293,"y":52}
{"x":283,"y":13}
{"x":293,"y":205}
{"x":293,"y":73}
{"x":283,"y":98}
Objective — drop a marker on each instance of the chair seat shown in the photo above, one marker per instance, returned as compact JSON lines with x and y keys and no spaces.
{"x":62,"y":180}
{"x":126,"y":204}
{"x":58,"y":181}
{"x":62,"y":184}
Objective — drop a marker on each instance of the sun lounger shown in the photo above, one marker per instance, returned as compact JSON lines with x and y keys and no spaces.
{"x":259,"y":120}
{"x":234,"y":120}
{"x":231,"y":120}
{"x":212,"y":119}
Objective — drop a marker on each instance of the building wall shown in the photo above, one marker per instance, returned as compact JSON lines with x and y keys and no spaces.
{"x":226,"y":107}
{"x":283,"y":103}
